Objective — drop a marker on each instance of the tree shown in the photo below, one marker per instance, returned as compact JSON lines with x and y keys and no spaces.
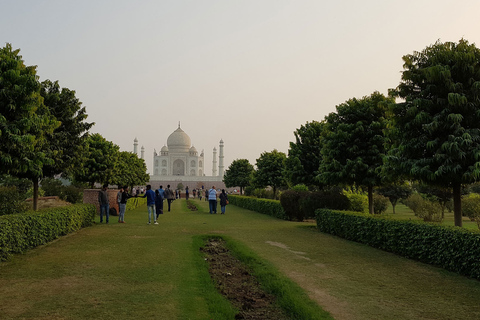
{"x":353,"y":146}
{"x":435,"y":131}
{"x":239,"y":174}
{"x":304,"y":155}
{"x":270,"y":170}
{"x":130,"y":170}
{"x":67,"y":143}
{"x":24,"y":120}
{"x":101,"y":162}
{"x":395,"y":192}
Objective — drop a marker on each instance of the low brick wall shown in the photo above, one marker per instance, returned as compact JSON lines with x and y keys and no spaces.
{"x":91,"y":196}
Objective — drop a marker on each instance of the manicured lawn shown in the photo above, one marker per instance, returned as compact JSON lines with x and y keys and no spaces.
{"x":402,"y":212}
{"x":140,"y":271}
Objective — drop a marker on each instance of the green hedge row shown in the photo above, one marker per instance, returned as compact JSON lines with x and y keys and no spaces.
{"x":266,"y":206}
{"x":452,"y":248}
{"x":20,"y":232}
{"x":133,"y":203}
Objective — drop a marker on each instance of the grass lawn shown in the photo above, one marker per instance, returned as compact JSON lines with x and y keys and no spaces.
{"x":402,"y":212}
{"x":140,"y":271}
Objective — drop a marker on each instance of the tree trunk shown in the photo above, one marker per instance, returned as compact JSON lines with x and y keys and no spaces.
{"x":241,"y":189}
{"x":394,"y":204}
{"x":35,"y":194}
{"x":457,"y":204}
{"x":370,"y":199}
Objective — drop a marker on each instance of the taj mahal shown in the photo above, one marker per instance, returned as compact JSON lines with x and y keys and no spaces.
{"x":179,"y":161}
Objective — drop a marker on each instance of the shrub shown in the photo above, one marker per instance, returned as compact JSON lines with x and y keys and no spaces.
{"x":380,"y":204}
{"x":300,"y":187}
{"x":20,"y":232}
{"x":290,"y":201}
{"x":52,"y":187}
{"x":414,"y":203}
{"x":430,"y":211}
{"x":312,"y":201}
{"x":471,"y":207}
{"x":11,"y":202}
{"x":452,"y":248}
{"x":266,"y":206}
{"x":358,"y":201}
{"x":72,"y":194}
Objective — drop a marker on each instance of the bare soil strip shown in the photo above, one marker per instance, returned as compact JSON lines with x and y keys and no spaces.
{"x":235,"y":282}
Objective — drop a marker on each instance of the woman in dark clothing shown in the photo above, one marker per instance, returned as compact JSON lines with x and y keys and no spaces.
{"x":158,"y":203}
{"x":223,"y":200}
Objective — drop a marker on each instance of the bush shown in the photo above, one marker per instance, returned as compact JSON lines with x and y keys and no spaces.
{"x":11,"y":202}
{"x":358,"y":201}
{"x":20,"y":232}
{"x":300,"y":187}
{"x":380,"y":204}
{"x":452,"y":248}
{"x":414,"y":203}
{"x":54,"y":187}
{"x":471,"y":207}
{"x":290,"y":201}
{"x":312,"y":201}
{"x":72,"y":194}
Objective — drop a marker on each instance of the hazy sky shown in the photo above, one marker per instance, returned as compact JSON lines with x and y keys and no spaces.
{"x":249,"y":72}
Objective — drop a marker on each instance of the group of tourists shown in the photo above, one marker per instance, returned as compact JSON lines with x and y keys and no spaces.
{"x":155,"y":201}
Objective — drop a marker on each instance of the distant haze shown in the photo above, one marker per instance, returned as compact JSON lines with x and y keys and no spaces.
{"x":248,"y":72}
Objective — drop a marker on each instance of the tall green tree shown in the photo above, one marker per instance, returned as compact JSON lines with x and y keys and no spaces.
{"x":304,"y":155}
{"x":353,"y":147}
{"x":24,"y":120}
{"x":101,"y":162}
{"x":270,"y":170}
{"x":67,"y":144}
{"x":239,"y":174}
{"x":435,"y":131}
{"x":395,"y":192}
{"x":130,"y":170}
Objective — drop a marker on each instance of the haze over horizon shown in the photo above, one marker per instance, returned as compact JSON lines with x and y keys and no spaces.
{"x":248,"y":72}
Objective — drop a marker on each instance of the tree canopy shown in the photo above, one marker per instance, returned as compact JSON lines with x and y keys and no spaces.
{"x":304,"y":155}
{"x":353,"y":146}
{"x":239,"y":174}
{"x":435,"y":132}
{"x":270,"y":170}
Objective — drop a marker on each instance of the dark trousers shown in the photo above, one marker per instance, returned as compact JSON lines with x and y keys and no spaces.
{"x":169,"y":201}
{"x":213,"y":206}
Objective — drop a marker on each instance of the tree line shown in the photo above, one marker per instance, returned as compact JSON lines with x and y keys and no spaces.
{"x":44,"y":133}
{"x":427,"y":129}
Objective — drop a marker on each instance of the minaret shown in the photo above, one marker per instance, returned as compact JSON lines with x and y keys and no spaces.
{"x":220,"y":160}
{"x":135,"y":145}
{"x":214,"y":168}
{"x":142,"y":154}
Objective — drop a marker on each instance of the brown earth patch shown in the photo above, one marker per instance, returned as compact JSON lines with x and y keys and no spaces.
{"x":234,"y":281}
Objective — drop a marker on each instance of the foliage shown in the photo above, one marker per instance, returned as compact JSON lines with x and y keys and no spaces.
{"x":304,"y":156}
{"x":471,"y":208}
{"x":22,"y":185}
{"x":130,"y":170}
{"x":454,"y":249}
{"x":25,"y":122}
{"x":52,"y":187}
{"x":395,"y":192}
{"x":11,"y":202}
{"x":67,"y":143}
{"x":262,"y":193}
{"x":20,"y":232}
{"x":380,"y":204}
{"x":180,"y":186}
{"x":436,"y":194}
{"x":270,"y":170}
{"x":239,"y":174}
{"x":299,"y":187}
{"x":414,"y":202}
{"x":353,"y":146}
{"x":435,"y":132}
{"x":270,"y":207}
{"x":358,"y":201}
{"x":101,"y":161}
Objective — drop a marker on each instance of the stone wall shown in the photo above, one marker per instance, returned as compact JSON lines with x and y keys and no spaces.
{"x":91,"y":196}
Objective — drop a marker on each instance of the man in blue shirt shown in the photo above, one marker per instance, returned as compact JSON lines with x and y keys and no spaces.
{"x":150,"y":195}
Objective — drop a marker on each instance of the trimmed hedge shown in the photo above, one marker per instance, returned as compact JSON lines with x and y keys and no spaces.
{"x":266,"y":206}
{"x":20,"y":232}
{"x":452,"y":248}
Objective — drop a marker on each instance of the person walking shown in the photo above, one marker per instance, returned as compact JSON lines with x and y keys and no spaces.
{"x":212,"y":199}
{"x":123,"y":204}
{"x":187,"y":193}
{"x":158,"y":203}
{"x":162,"y":192}
{"x":170,"y":196}
{"x":104,"y":204}
{"x":119,"y":196}
{"x":199,"y":193}
{"x":150,"y":195}
{"x":223,"y":201}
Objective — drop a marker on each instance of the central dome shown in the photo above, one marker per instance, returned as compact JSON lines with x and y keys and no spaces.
{"x":179,"y":141}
